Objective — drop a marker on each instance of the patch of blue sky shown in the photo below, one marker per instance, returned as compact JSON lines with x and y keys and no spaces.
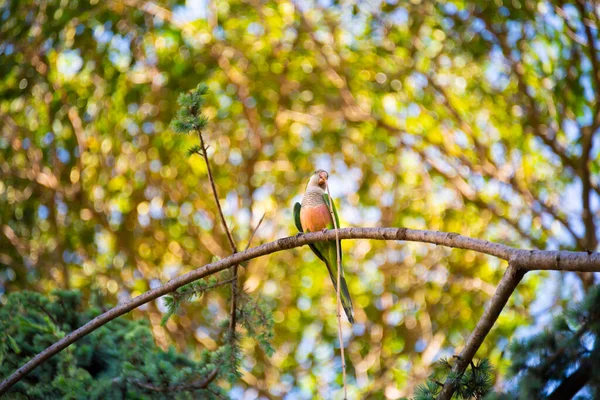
{"x":46,"y":45}
{"x":393,"y":318}
{"x":550,"y":18}
{"x":152,"y":191}
{"x":155,"y":166}
{"x":513,"y":29}
{"x":69,"y":63}
{"x":464,"y":14}
{"x":193,"y":10}
{"x":589,"y":94}
{"x":121,"y":43}
{"x":541,"y":51}
{"x":420,"y":345}
{"x":307,"y":143}
{"x":324,"y":354}
{"x":103,"y":33}
{"x":449,"y":8}
{"x":398,"y":17}
{"x":120,"y":59}
{"x":61,"y":207}
{"x":230,"y":205}
{"x":171,"y":270}
{"x":224,"y":101}
{"x":148,"y":127}
{"x":255,"y":29}
{"x":418,"y":81}
{"x":572,"y":14}
{"x":115,"y":217}
{"x":214,"y":307}
{"x":308,"y":342}
{"x":102,"y":241}
{"x":242,"y":217}
{"x":63,"y":155}
{"x":43,"y":212}
{"x":143,"y":220}
{"x":48,"y":138}
{"x":571,"y":129}
{"x":7,"y":48}
{"x":219,"y":33}
{"x":71,"y":257}
{"x":156,"y":208}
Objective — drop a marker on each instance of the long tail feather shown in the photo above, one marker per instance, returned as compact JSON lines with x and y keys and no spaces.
{"x":344,"y":295}
{"x":346,"y":301}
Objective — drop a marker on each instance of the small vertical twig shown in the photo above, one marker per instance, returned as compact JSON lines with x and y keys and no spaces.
{"x":232,"y":321}
{"x":339,"y":278}
{"x":254,"y":231}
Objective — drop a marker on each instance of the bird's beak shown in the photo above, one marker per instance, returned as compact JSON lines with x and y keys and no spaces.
{"x":322,"y":178}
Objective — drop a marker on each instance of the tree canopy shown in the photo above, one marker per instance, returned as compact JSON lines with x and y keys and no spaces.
{"x":478,"y":117}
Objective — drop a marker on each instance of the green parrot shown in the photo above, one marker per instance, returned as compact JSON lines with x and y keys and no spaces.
{"x":312,"y":216}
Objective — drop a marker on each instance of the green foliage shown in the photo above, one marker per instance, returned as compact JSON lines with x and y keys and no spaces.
{"x":189,"y":116}
{"x":456,"y":116}
{"x":539,"y":364}
{"x":187,"y":293}
{"x":257,"y":318}
{"x":196,"y":149}
{"x":119,"y":360}
{"x":475,"y":383}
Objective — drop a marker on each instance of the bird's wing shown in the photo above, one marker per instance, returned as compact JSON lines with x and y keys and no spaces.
{"x":297,"y":208}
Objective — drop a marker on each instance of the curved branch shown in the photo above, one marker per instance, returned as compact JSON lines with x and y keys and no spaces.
{"x":523,"y":259}
{"x":507,"y":285}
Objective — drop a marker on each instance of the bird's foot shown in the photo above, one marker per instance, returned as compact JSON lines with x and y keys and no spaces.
{"x":324,"y":230}
{"x":299,"y":234}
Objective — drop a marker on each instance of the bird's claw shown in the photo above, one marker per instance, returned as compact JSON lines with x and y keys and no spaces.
{"x":299,"y":234}
{"x":324,"y":230}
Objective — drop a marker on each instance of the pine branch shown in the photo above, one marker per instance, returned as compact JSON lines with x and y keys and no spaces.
{"x":526,"y":260}
{"x":190,"y":118}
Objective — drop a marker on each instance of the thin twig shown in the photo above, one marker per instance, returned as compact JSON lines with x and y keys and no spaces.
{"x":202,"y":290}
{"x":216,"y":194}
{"x":233,"y":311}
{"x":254,"y":231}
{"x":529,"y":260}
{"x":338,"y":257}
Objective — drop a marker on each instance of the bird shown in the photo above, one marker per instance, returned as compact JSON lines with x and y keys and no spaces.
{"x":313,"y":215}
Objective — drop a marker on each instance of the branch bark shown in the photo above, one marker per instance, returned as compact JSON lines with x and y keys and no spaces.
{"x":509,"y":282}
{"x":527,"y":260}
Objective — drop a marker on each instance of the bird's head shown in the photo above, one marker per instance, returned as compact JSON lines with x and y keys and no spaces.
{"x":319,"y":179}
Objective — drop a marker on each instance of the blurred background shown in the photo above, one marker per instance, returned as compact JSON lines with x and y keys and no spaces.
{"x":473,"y":117}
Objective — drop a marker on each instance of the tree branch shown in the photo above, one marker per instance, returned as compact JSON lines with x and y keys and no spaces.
{"x":508,"y":284}
{"x":573,"y":384}
{"x":523,"y":259}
